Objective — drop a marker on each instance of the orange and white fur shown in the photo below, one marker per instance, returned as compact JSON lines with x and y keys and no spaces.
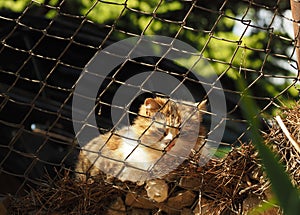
{"x":129,"y":153}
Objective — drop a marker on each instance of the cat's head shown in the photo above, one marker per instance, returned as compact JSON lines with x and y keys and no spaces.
{"x":167,"y":118}
{"x":159,"y":122}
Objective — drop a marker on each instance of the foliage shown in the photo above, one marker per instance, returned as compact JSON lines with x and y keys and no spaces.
{"x":215,"y":31}
{"x":16,"y":6}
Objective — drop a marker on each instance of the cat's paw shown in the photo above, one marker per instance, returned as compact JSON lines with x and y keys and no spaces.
{"x":157,"y":190}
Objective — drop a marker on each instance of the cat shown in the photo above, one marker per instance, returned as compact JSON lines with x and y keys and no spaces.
{"x":160,"y":133}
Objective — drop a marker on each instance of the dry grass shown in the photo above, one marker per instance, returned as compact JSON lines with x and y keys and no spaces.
{"x":65,"y":196}
{"x":284,"y":144}
{"x":220,"y":186}
{"x":235,"y":184}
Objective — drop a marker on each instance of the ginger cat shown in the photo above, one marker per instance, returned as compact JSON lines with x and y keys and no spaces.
{"x":161,"y":132}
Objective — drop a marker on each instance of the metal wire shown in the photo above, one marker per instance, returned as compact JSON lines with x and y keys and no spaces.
{"x":42,"y":59}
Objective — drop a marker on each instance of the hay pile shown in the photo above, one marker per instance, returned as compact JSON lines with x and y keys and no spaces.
{"x":284,"y":139}
{"x":64,"y":196}
{"x":235,"y":184}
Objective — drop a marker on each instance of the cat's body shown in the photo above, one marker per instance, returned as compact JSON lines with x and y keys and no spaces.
{"x":161,"y":130}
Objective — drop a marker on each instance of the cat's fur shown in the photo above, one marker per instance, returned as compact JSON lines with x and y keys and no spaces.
{"x":162,"y":127}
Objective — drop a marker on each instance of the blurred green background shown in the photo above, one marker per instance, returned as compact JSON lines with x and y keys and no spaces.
{"x":252,"y":38}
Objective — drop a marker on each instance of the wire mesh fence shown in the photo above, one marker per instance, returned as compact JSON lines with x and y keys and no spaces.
{"x":46,"y":44}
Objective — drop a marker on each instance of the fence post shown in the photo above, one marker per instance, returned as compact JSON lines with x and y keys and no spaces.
{"x":295,"y":7}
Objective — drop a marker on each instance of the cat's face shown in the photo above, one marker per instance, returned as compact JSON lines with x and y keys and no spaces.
{"x":164,"y":123}
{"x":166,"y":119}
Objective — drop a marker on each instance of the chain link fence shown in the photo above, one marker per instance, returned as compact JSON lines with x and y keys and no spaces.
{"x":46,"y":44}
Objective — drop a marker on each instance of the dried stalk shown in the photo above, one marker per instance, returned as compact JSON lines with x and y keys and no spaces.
{"x":287,"y":133}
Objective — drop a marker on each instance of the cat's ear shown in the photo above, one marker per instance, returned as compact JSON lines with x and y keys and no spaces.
{"x":152,"y":105}
{"x":202,"y":105}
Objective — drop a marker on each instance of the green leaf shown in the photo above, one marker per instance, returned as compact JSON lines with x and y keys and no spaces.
{"x":16,"y":6}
